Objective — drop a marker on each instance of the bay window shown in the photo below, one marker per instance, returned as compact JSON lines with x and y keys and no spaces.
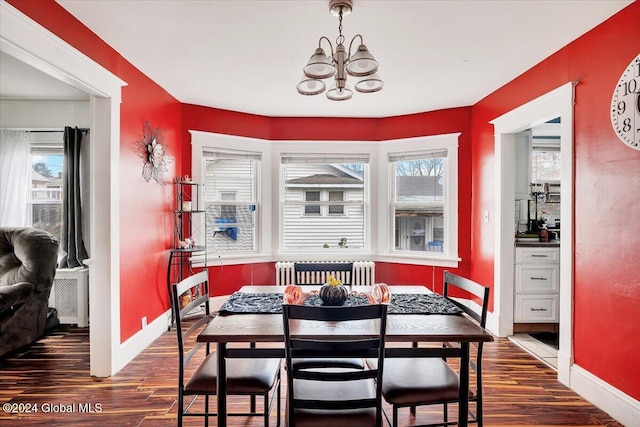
{"x":393,"y":201}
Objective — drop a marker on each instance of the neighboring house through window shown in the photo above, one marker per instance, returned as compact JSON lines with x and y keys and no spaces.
{"x":418,"y":200}
{"x":231,"y":200}
{"x":324,"y":201}
{"x":45,"y":197}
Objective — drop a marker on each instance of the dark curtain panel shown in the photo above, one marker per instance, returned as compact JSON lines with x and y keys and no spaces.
{"x":71,"y":241}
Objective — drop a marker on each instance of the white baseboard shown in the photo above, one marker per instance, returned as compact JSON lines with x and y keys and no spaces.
{"x":624,"y":408}
{"x":145,"y":337}
{"x":620,"y":406}
{"x":141,"y":340}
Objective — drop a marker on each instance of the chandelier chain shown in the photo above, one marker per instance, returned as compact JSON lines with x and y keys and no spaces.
{"x":340,"y":39}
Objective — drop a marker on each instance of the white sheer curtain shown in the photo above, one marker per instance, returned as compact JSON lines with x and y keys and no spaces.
{"x":14,"y":177}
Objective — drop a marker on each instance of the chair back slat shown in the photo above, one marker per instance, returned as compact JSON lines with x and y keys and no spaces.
{"x":481,"y":294}
{"x":196,"y":288}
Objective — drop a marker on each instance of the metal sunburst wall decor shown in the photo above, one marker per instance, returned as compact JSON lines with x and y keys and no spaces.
{"x":153,"y":152}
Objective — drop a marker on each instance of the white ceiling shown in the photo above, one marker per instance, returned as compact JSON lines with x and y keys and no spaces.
{"x":247,"y":55}
{"x":21,"y":81}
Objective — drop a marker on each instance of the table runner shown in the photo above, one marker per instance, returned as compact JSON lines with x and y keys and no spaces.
{"x":271,"y":303}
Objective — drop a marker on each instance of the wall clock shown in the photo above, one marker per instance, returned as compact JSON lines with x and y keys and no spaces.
{"x":625,"y":105}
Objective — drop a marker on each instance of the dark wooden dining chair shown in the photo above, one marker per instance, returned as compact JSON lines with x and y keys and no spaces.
{"x":250,"y":377}
{"x":333,"y":396}
{"x":316,"y":273}
{"x":411,"y":382}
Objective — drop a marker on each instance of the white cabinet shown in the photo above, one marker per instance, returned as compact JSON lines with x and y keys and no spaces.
{"x":523,"y":165}
{"x":537,"y":277}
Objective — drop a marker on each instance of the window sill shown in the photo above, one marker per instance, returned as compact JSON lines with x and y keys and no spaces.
{"x":214,"y":260}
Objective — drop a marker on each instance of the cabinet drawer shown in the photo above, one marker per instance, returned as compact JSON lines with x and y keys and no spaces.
{"x":537,"y":255}
{"x":535,"y":308}
{"x":537,"y":278}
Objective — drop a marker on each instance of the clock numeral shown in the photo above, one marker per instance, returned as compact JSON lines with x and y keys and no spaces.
{"x":622,"y":107}
{"x":638,"y":103}
{"x":626,"y":124}
{"x":630,"y":87}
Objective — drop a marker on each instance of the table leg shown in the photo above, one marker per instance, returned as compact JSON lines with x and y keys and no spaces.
{"x":463,"y":405}
{"x":222,"y":384}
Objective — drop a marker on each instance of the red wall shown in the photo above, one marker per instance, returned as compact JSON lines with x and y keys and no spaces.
{"x":607,"y":185}
{"x":145,"y":222}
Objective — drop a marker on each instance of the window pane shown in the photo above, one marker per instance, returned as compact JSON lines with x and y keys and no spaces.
{"x":48,"y":217}
{"x":420,"y":180}
{"x":545,"y":165}
{"x":324,"y":224}
{"x":46,"y":190}
{"x":419,"y":229}
{"x":230,"y":188}
{"x":336,"y":196}
{"x":312,"y":196}
{"x":419,"y":203}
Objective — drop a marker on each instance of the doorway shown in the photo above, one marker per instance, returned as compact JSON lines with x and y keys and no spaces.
{"x":32,"y":44}
{"x":557,"y":103}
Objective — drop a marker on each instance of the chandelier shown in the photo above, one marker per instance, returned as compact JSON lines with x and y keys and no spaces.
{"x":320,"y":66}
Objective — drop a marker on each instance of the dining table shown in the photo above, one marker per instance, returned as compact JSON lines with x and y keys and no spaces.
{"x":259,"y":327}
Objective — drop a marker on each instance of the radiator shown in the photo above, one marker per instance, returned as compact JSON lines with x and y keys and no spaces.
{"x":363,"y":272}
{"x":70,"y":296}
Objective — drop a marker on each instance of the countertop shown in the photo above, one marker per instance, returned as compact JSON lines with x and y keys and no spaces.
{"x":533,"y":244}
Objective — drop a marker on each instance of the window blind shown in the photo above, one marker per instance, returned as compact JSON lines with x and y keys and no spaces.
{"x":431,"y":154}
{"x":324,"y":158}
{"x":213,"y":154}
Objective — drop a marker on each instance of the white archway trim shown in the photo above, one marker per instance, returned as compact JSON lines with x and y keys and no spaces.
{"x":557,"y":103}
{"x":28,"y":41}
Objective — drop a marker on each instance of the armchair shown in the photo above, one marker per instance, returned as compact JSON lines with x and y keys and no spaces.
{"x":28,"y":261}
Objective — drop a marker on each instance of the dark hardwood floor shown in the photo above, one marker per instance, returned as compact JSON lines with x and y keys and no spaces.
{"x":54,"y":374}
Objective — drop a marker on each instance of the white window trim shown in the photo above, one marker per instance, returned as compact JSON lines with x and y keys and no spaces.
{"x":378,"y":226}
{"x":209,"y":140}
{"x":386,"y":250}
{"x":305,"y":148}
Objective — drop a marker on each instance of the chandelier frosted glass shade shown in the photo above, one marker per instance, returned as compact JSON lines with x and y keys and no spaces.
{"x":362,"y":63}
{"x":339,"y":94}
{"x":340,"y":64}
{"x":369,"y":84}
{"x":319,"y":66}
{"x":310,"y":86}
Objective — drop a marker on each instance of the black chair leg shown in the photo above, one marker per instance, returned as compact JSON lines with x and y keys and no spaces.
{"x":180,"y":409}
{"x":412,"y":410}
{"x":278,"y":405}
{"x":445,"y":412}
{"x":206,"y":409}
{"x":395,"y":416}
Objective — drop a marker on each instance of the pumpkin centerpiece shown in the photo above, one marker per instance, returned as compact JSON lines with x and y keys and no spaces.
{"x":333,"y":292}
